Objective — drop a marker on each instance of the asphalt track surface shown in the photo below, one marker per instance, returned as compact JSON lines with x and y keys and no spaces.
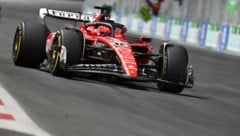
{"x":94,"y":107}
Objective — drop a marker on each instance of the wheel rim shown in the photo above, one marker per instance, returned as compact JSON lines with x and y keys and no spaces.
{"x":164,"y":69}
{"x":17,"y":43}
{"x":55,"y":55}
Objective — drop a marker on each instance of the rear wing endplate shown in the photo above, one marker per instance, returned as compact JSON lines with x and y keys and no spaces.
{"x":74,"y":16}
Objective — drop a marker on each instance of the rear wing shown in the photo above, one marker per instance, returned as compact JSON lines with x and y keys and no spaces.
{"x":74,"y":16}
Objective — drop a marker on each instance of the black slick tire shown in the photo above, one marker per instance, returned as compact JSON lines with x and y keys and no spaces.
{"x":174,"y":67}
{"x":29,"y":44}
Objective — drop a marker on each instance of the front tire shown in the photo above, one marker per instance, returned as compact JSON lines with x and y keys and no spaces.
{"x":70,"y":42}
{"x":29,"y":44}
{"x":174,"y":67}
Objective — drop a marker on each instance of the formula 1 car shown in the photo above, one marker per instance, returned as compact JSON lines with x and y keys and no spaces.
{"x":99,"y":46}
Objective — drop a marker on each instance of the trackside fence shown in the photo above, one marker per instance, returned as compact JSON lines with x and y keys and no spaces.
{"x":223,"y":38}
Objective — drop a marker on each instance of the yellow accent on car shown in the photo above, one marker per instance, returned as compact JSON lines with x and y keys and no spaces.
{"x":57,"y":57}
{"x":17,"y":43}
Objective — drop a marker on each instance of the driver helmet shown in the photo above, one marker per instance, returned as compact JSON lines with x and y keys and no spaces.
{"x":104,"y":31}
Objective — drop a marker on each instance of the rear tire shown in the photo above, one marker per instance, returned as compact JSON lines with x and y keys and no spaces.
{"x":73,"y":43}
{"x":29,"y":44}
{"x":174,"y":67}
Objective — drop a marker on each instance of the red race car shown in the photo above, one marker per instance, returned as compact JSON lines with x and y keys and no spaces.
{"x":99,"y":46}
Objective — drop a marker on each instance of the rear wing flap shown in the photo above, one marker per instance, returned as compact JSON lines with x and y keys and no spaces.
{"x":74,"y":16}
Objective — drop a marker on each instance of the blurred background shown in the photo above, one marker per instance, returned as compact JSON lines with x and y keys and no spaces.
{"x":214,"y":11}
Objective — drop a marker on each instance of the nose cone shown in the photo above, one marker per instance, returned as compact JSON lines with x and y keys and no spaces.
{"x":128,"y":60}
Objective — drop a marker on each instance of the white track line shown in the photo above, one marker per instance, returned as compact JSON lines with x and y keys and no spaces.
{"x":22,"y":123}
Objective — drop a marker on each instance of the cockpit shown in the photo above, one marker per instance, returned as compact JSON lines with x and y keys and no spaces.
{"x":106,"y":28}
